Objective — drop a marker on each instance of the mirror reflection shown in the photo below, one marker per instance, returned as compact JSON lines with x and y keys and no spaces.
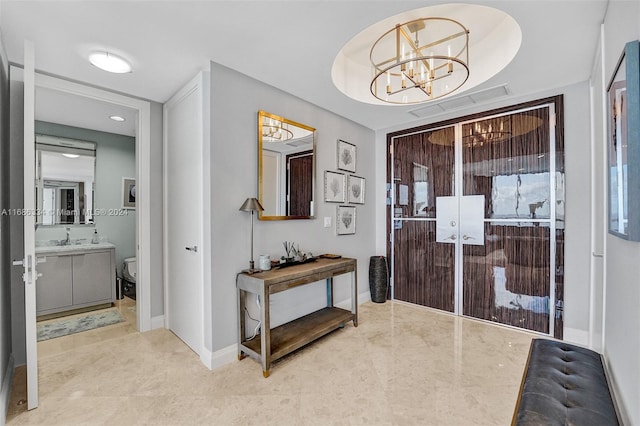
{"x":65,"y":181}
{"x":286,"y":168}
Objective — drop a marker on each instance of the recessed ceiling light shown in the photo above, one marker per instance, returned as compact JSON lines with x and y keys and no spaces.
{"x":71,"y":155}
{"x":117,"y":118}
{"x":109,"y":62}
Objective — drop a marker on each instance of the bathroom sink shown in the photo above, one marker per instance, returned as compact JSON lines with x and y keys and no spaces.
{"x":61,"y":246}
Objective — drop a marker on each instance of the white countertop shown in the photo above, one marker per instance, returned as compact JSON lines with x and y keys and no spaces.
{"x":84,"y":246}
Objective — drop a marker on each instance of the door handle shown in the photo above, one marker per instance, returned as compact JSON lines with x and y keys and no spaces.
{"x":453,"y":237}
{"x":467,"y":237}
{"x":193,"y":249}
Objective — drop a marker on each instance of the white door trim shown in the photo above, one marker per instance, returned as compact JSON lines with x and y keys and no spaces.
{"x":143,"y":181}
{"x":29,"y":260}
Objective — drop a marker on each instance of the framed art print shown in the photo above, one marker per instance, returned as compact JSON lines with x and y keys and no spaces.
{"x":346,"y":156}
{"x":623,"y":146}
{"x":355,"y":189}
{"x":128,"y":193}
{"x":334,"y":187}
{"x":346,"y":220}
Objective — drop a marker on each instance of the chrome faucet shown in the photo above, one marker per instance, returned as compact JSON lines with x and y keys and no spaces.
{"x":68,"y":240}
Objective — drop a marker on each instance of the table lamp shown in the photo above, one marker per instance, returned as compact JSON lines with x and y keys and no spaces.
{"x":251,"y":205}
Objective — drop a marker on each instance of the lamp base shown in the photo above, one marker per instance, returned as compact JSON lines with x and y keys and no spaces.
{"x":251,"y":271}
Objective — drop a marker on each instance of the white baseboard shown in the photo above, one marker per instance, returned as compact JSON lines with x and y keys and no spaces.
{"x":614,"y":390}
{"x":5,"y":391}
{"x":346,"y":304}
{"x":220,"y":357}
{"x":157,"y":322}
{"x":574,"y":335}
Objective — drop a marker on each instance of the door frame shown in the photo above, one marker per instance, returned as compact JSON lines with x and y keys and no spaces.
{"x":143,"y":180}
{"x":555,"y":106}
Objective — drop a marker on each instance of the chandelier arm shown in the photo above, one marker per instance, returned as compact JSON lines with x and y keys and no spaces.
{"x":443,"y":40}
{"x":418,"y":49}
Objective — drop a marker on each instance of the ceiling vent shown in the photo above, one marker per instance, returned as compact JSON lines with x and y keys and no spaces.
{"x":460,"y":102}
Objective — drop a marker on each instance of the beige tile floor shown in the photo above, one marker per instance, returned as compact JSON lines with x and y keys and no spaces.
{"x":403,"y":365}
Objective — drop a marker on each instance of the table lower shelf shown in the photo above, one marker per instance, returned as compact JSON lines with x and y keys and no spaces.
{"x":299,"y":332}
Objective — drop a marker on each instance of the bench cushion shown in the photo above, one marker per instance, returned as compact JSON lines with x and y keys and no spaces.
{"x":564,"y":384}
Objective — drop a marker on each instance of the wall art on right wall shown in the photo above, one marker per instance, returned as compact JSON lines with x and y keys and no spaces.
{"x":623,"y":171}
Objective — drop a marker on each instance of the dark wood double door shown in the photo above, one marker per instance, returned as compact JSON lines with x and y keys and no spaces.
{"x":477,"y":217}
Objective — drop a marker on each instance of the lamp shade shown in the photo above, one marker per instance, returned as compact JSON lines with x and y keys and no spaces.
{"x":251,"y":204}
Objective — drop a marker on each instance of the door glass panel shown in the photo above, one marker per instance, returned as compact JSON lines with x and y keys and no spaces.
{"x":423,"y":169}
{"x":506,"y":159}
{"x":507,"y":280}
{"x":424,"y":270}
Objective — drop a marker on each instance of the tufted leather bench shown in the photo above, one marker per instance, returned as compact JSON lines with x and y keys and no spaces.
{"x":564,"y":384}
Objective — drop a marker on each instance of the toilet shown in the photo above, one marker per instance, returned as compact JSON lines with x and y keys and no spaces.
{"x":129,"y":273}
{"x":129,"y":269}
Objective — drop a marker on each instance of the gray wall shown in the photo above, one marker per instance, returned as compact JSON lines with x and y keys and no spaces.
{"x":115,"y":159}
{"x":5,"y":254}
{"x":235,"y":101}
{"x":622,"y":266}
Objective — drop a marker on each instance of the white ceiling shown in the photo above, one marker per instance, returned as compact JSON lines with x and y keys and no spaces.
{"x":287,"y":44}
{"x":63,"y":108}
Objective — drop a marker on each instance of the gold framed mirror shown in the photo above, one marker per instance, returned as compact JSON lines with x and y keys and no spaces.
{"x":286,"y":168}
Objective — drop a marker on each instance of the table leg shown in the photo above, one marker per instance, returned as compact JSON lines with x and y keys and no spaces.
{"x":330,"y":292}
{"x":354,"y":296}
{"x":265,"y":335}
{"x":241,"y":322}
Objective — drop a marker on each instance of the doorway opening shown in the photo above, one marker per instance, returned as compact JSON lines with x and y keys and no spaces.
{"x":476,"y":221}
{"x":86,"y":222}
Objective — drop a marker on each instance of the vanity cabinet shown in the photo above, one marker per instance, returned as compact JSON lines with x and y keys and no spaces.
{"x":92,"y":278}
{"x":75,"y":278}
{"x":54,"y":289}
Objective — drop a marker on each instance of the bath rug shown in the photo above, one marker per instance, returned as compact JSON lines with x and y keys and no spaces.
{"x":67,"y":326}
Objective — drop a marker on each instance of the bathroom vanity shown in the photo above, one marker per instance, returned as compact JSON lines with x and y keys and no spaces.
{"x":75,"y":276}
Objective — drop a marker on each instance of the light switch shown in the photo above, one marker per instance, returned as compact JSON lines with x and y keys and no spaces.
{"x":327,"y":222}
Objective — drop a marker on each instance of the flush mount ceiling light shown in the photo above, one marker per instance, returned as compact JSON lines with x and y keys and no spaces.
{"x":117,"y":118}
{"x":71,"y":155}
{"x":109,"y":62}
{"x":426,"y":54}
{"x":420,"y":60}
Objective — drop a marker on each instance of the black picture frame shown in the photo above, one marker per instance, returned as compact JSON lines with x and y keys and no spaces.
{"x":623,"y":145}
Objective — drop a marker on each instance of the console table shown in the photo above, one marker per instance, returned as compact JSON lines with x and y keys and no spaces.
{"x":271,"y":345}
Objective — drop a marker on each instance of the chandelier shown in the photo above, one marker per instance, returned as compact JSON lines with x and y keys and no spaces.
{"x":420,"y":60}
{"x":274,"y":130}
{"x":480,"y":133}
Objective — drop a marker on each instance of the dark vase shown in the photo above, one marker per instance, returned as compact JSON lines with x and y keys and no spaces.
{"x":378,"y":278}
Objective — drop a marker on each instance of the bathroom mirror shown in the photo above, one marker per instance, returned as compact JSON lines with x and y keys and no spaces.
{"x":286,"y":168}
{"x":65,"y":181}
